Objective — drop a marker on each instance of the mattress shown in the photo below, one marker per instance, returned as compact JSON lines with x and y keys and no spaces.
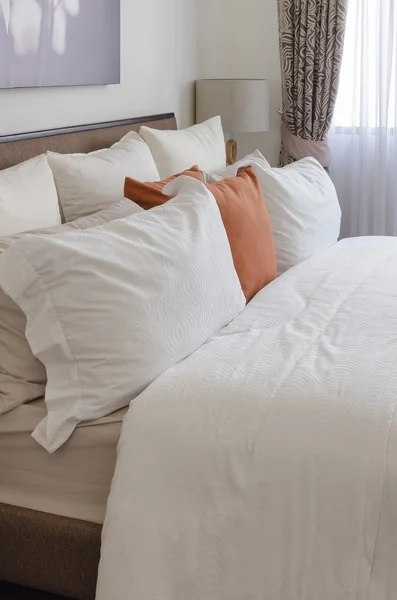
{"x":74,"y":481}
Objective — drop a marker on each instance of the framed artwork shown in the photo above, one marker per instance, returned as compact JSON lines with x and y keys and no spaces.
{"x":59,"y":42}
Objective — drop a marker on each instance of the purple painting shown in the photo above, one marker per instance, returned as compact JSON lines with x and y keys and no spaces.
{"x":59,"y":42}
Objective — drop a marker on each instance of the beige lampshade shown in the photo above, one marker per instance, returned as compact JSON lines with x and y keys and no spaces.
{"x":243,"y":104}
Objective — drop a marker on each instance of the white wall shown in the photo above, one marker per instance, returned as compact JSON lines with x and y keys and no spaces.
{"x":239,"y":39}
{"x":162,"y":55}
{"x":159,"y":66}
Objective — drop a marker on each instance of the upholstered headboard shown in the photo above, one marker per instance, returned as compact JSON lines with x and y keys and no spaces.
{"x":84,"y":138}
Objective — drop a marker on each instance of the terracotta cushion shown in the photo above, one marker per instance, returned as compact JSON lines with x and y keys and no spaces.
{"x":249,"y":230}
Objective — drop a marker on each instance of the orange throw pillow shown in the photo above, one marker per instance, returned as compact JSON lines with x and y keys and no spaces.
{"x":248,"y":228}
{"x":245,"y":217}
{"x":148,"y":195}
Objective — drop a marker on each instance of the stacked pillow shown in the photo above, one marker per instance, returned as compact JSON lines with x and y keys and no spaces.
{"x":244,"y":216}
{"x":112,"y":307}
{"x":304,"y":210}
{"x":87,"y":183}
{"x":175,"y":151}
{"x":34,"y":195}
{"x":180,"y":269}
{"x":22,"y":375}
{"x":301,"y":199}
{"x":302,"y":204}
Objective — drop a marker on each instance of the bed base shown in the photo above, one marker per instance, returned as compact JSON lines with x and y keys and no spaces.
{"x":49,"y":553}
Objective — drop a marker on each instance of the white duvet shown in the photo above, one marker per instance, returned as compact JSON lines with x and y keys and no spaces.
{"x":264,"y":466}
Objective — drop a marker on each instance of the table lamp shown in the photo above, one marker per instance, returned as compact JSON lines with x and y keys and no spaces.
{"x":242,"y":104}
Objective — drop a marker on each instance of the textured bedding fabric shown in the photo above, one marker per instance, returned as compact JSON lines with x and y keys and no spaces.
{"x":74,"y":482}
{"x":162,"y":282}
{"x":264,"y":466}
{"x":22,"y":376}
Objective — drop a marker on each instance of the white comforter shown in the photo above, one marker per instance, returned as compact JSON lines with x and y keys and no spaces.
{"x":264,"y":466}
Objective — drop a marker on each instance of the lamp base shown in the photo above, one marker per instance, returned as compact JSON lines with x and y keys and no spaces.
{"x":231,"y":152}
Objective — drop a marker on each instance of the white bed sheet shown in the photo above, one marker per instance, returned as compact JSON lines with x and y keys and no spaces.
{"x":264,"y":466}
{"x":73,"y":482}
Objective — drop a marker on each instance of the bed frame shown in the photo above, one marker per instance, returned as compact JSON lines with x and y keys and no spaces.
{"x":38,"y":550}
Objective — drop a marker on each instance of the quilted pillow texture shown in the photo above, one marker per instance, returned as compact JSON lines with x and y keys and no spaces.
{"x":111,"y":308}
{"x":176,"y":151}
{"x":28,"y":197}
{"x":87,"y":183}
{"x":22,"y":375}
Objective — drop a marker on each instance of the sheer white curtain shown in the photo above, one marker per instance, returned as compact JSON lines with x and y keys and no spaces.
{"x":363,"y":138}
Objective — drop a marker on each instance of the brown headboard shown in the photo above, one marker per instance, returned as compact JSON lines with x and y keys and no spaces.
{"x":84,"y":138}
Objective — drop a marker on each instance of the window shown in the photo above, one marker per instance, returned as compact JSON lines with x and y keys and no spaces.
{"x":368,"y":84}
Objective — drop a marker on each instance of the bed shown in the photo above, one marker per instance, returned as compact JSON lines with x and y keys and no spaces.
{"x":257,"y":458}
{"x":52,"y":506}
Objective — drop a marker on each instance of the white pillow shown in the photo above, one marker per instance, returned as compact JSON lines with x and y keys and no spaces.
{"x":22,"y":376}
{"x":176,"y":151}
{"x":87,"y":183}
{"x":255,"y":158}
{"x":111,"y":308}
{"x":28,"y":197}
{"x":304,"y":210}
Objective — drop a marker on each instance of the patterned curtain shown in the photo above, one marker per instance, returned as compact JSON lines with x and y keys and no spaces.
{"x":311,"y":47}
